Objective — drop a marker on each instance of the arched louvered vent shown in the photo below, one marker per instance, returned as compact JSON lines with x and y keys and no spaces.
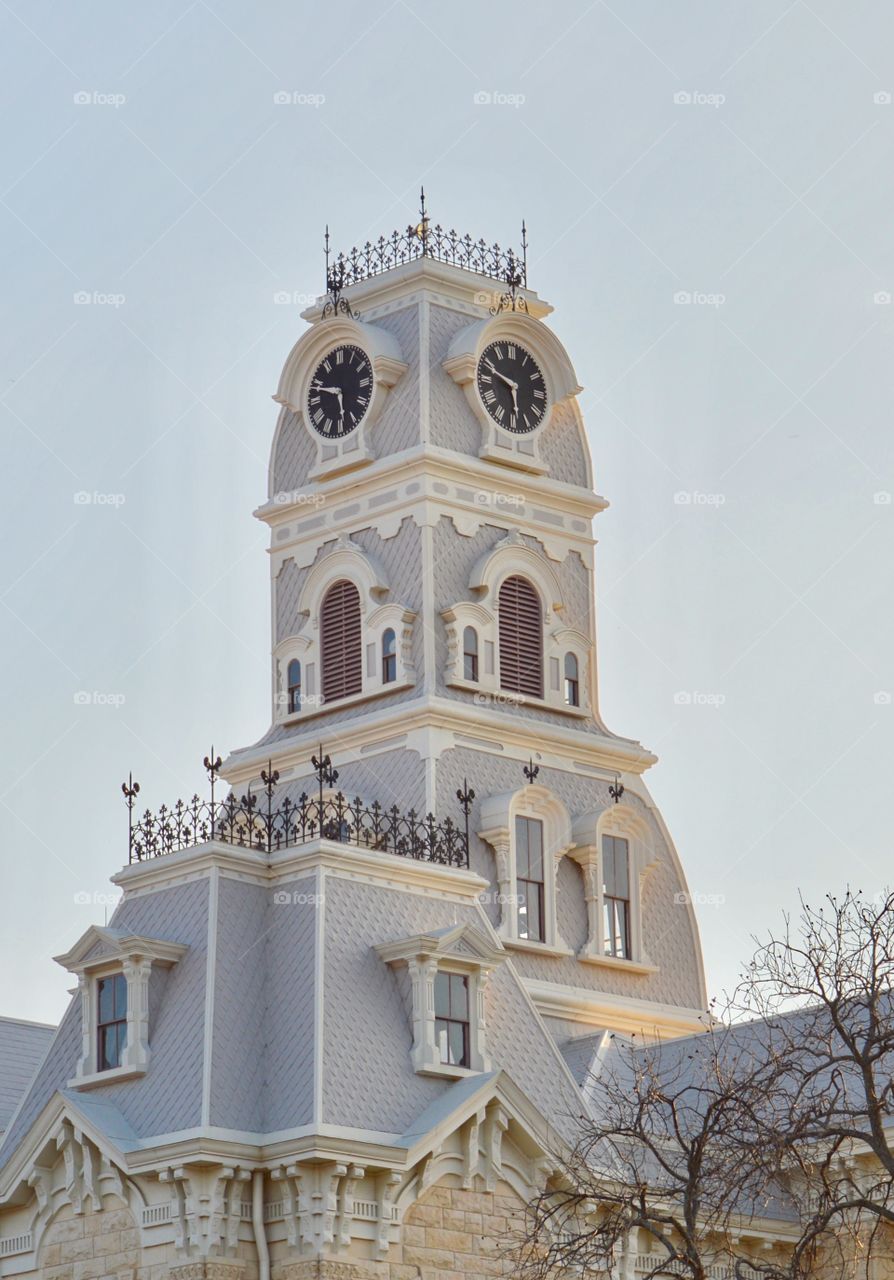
{"x":340,"y":641}
{"x":521,"y":638}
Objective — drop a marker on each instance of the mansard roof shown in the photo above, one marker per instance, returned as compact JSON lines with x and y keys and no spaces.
{"x":23,"y":1046}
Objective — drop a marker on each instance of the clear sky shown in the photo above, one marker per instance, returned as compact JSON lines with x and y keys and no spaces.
{"x":738,"y":154}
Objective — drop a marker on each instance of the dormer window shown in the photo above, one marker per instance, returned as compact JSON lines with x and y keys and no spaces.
{"x":294,"y":686}
{"x":470,"y":654}
{"x":111,"y":1021}
{"x":113,"y":968}
{"x":389,"y":656}
{"x":448,"y":971}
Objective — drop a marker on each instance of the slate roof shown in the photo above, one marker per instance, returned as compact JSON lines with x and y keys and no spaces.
{"x":23,"y":1046}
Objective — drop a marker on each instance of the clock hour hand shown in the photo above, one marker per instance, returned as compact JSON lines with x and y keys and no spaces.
{"x":335,"y":391}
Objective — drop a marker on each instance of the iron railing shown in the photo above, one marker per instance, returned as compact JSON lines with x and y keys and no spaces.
{"x":265,"y":824}
{"x":424,"y":241}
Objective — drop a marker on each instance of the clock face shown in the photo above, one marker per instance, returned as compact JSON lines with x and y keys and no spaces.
{"x":511,"y":386}
{"x":340,"y":391}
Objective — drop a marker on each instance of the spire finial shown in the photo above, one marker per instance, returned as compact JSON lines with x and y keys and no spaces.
{"x":524,"y":243}
{"x":422,"y":227}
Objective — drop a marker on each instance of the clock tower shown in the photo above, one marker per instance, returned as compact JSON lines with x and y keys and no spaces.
{"x":349,"y":1011}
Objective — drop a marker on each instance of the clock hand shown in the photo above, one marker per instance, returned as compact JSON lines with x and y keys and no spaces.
{"x":335,"y":391}
{"x":502,"y":376}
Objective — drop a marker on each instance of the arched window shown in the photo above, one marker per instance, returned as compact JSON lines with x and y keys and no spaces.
{"x":294,"y":686}
{"x":572,"y":681}
{"x":616,"y":896}
{"x":470,"y":654}
{"x":389,"y":657}
{"x":521,"y":638}
{"x":340,"y":641}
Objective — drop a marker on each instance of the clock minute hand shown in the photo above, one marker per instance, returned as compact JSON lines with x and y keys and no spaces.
{"x":335,"y":391}
{"x":502,"y":376}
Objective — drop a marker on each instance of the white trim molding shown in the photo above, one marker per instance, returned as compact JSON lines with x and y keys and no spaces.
{"x":509,"y":557}
{"x":462,"y":949}
{"x":388,"y":366}
{"x":498,"y":815}
{"x":102,"y":953}
{"x":346,"y":560}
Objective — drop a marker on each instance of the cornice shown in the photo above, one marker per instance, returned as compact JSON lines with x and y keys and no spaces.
{"x":618,"y":1013}
{"x":430,"y":715}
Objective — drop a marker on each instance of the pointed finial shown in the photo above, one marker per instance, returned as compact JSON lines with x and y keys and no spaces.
{"x":617,"y":789}
{"x":524,"y":254}
{"x":531,"y":770}
{"x":421,"y":231}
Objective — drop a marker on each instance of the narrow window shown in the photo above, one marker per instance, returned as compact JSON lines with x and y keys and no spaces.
{"x":529,"y":878}
{"x":616,"y":896}
{"x":521,"y":638}
{"x":452,"y":1018}
{"x":111,"y":1021}
{"x":294,"y":686}
{"x":340,"y":641}
{"x":389,"y":657}
{"x":470,"y":654}
{"x":572,"y":682}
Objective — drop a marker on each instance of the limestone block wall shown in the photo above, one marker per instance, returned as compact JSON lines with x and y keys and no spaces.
{"x":93,"y":1246}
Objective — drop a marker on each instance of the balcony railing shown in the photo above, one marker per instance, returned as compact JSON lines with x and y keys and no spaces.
{"x":261,"y":822}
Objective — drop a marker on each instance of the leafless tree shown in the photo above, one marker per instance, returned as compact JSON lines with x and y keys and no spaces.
{"x":775,"y":1120}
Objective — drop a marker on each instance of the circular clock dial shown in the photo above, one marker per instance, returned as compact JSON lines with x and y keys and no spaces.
{"x":340,"y":391}
{"x":511,"y":386}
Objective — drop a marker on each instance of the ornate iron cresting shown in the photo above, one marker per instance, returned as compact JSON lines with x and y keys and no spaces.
{"x":282,"y":825}
{"x":426,"y":241}
{"x":616,"y":789}
{"x":516,"y":275}
{"x":531,"y":771}
{"x":336,"y":304}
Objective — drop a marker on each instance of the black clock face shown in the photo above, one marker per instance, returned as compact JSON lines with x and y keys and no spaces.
{"x":511,"y":387}
{"x":340,"y":391}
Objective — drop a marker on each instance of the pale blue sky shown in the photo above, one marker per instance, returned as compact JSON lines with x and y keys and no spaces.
{"x":183,"y":187}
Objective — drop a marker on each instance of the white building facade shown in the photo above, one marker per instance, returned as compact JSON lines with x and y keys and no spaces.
{"x":339,"y":1026}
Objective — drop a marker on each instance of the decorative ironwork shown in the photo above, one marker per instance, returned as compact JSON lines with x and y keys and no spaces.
{"x":213,"y":765}
{"x":131,"y":790}
{"x":336,"y":278}
{"x":616,"y":789}
{"x":531,"y":770}
{"x":465,"y":796}
{"x":425,"y":241}
{"x":287,"y":823}
{"x":516,"y":276}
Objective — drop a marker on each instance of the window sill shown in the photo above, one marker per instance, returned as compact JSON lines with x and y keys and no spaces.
{"x":445,"y":1070}
{"x":366,"y":695}
{"x":497,"y":695}
{"x":112,"y":1076}
{"x":539,"y":948}
{"x":617,"y":962}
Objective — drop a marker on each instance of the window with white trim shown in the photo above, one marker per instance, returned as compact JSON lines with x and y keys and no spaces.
{"x":614,"y":849}
{"x":113,"y":968}
{"x":572,"y":680}
{"x":529,"y":831}
{"x":352,"y":641}
{"x":448,"y":972}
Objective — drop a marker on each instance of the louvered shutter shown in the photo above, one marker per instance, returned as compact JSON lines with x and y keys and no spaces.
{"x":340,"y":641}
{"x":521,"y":638}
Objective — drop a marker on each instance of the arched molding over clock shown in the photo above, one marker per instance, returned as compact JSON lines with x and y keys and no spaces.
{"x":345,"y":562}
{"x":528,"y":350}
{"x":511,"y":557}
{"x":346,"y":441}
